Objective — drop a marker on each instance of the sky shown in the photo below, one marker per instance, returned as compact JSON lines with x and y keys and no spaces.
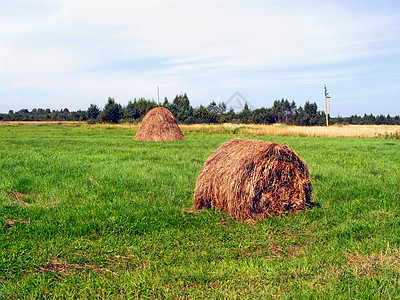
{"x":72,"y":53}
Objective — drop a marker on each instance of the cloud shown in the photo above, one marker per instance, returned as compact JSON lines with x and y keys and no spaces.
{"x":238,"y":34}
{"x":77,"y":51}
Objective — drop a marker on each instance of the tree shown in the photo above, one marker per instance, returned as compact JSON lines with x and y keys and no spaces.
{"x":283,"y":110}
{"x":93,"y":112}
{"x":212,"y":111}
{"x":309,"y":115}
{"x":181,"y":102}
{"x":311,"y":111}
{"x":23,"y":115}
{"x":389,"y":120}
{"x":354,"y":119}
{"x":380,"y":120}
{"x":230,"y":116}
{"x":165,"y":103}
{"x":201,"y":115}
{"x":112,"y":112}
{"x":263,"y":116}
{"x":216,"y":112}
{"x":244,"y":115}
{"x":181,"y":109}
{"x":368,"y":119}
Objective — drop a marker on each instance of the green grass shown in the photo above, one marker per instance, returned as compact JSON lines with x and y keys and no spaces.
{"x":91,"y":213}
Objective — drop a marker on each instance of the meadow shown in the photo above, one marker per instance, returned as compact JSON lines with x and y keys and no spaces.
{"x":87,"y":212}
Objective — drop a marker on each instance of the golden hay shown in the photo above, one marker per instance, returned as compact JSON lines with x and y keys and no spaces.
{"x":252,"y":179}
{"x":159,"y":125}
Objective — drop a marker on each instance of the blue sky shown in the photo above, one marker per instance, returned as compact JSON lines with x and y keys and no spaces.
{"x":56,"y":54}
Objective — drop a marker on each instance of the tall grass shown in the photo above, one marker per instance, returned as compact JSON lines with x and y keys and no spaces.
{"x":87,"y":212}
{"x":350,"y":131}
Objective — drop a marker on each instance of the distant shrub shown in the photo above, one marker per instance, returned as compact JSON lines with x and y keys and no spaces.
{"x":91,"y":121}
{"x":129,"y":121}
{"x":390,"y":136}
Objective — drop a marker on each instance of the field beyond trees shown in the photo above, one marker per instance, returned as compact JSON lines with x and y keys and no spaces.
{"x":87,"y":212}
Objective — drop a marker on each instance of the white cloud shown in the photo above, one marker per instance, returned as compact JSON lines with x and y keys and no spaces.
{"x":243,"y":34}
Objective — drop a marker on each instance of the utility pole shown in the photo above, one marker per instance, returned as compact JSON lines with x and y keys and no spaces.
{"x":326,"y":104}
{"x":158,"y":95}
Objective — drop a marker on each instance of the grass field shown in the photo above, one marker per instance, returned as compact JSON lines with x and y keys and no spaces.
{"x":87,"y":212}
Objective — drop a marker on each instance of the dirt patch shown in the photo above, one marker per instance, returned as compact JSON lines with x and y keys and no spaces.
{"x":18,"y":198}
{"x":64,"y":269}
{"x":275,"y":251}
{"x":11,"y":222}
{"x":59,"y":267}
{"x":374,"y":263}
{"x":93,"y":182}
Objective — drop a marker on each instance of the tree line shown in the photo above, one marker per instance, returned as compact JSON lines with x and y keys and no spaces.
{"x":282,"y":111}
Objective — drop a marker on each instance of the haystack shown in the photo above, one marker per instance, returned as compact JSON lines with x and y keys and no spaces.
{"x":252,"y":179}
{"x":159,"y":125}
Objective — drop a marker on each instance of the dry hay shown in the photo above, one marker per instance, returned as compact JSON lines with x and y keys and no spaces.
{"x":252,"y":179}
{"x":159,"y":125}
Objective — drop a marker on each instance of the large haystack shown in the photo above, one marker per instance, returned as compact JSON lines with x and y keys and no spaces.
{"x":252,"y":179}
{"x":159,"y":125}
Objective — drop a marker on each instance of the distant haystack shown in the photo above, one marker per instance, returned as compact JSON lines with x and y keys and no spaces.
{"x":252,"y":179}
{"x":159,"y":125}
